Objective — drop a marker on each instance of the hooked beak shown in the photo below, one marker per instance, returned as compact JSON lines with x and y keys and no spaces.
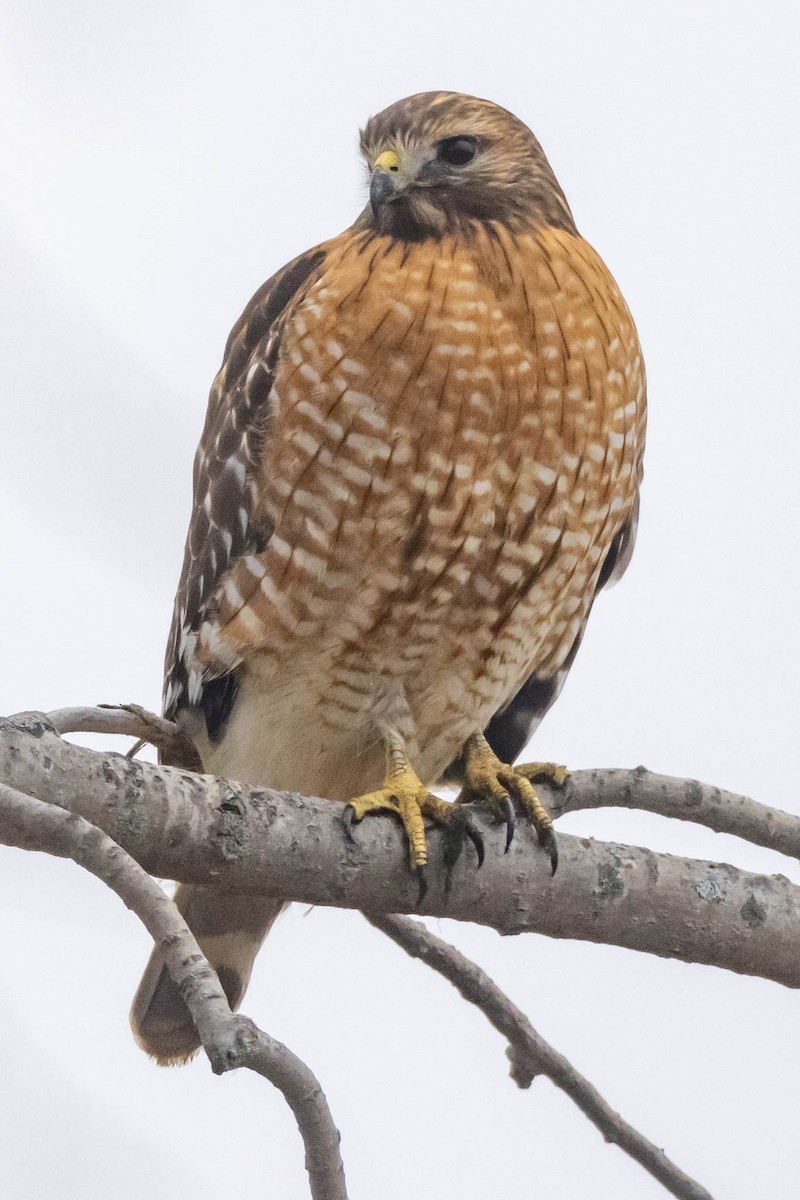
{"x":384,"y":186}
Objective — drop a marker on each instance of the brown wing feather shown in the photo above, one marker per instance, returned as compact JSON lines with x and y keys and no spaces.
{"x":510,"y":729}
{"x":224,"y":525}
{"x":513,"y":726}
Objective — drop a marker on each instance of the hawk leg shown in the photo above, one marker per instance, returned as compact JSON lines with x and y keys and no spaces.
{"x":405,"y":796}
{"x":495,"y":786}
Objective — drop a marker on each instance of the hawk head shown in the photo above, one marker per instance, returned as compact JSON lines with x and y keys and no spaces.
{"x":441,"y":161}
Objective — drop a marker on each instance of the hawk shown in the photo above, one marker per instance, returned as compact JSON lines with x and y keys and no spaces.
{"x":420,"y":464}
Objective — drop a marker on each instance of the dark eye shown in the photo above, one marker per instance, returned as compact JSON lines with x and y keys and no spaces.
{"x":457,"y":151}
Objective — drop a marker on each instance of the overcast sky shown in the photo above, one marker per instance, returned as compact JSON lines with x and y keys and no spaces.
{"x":158,"y":163}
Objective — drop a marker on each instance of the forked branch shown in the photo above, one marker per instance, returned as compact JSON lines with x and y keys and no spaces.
{"x":230,"y":1041}
{"x":199,"y":829}
{"x":530,"y":1054}
{"x":664,"y":795}
{"x":178,"y":824}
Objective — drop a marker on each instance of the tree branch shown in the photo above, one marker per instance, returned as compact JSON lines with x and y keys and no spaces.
{"x":664,"y":795}
{"x":131,"y":720}
{"x":682,"y":799}
{"x":230,"y":1041}
{"x":200,"y":829}
{"x":529,"y":1053}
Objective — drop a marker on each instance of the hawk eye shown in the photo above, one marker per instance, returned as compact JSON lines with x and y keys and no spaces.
{"x":457,"y":151}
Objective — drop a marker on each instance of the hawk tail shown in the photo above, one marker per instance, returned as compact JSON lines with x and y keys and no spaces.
{"x":229,"y":928}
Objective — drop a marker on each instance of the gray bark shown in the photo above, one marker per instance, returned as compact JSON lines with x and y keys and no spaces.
{"x":200,"y":829}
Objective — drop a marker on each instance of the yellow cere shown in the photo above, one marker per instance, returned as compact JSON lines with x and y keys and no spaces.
{"x":388,"y":161}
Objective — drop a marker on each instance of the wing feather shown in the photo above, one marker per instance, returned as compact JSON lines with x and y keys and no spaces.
{"x":513,"y":725}
{"x":510,"y":729}
{"x":224,"y":524}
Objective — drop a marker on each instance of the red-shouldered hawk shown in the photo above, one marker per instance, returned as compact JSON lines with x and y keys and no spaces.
{"x":420,"y":463}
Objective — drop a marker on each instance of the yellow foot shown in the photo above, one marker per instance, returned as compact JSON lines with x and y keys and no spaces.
{"x":555,"y":772}
{"x":495,"y":785}
{"x":404,"y":795}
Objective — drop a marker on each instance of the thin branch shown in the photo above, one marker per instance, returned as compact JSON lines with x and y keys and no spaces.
{"x":682,"y":799}
{"x":528,"y":1051}
{"x":131,"y":720}
{"x":230,"y":1041}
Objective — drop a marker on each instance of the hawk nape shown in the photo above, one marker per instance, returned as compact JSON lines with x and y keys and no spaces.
{"x":420,"y":462}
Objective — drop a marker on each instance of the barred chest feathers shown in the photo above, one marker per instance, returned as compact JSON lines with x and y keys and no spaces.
{"x":453,"y":448}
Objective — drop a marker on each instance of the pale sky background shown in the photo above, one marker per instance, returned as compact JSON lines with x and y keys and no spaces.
{"x":159,"y":162}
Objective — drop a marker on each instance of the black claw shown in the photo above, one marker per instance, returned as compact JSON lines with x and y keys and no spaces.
{"x":348,"y":820}
{"x":510,"y":822}
{"x":550,"y":847}
{"x":455,"y":831}
{"x":453,"y":842}
{"x":475,"y":836}
{"x":422,"y":876}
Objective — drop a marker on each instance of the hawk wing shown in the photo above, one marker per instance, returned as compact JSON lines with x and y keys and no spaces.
{"x":225,"y":522}
{"x":513,"y":726}
{"x":510,"y":729}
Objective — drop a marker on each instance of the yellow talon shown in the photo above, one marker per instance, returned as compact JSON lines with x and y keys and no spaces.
{"x":555,"y":772}
{"x":404,"y":795}
{"x":407,"y":797}
{"x":493,"y":784}
{"x":526,"y":793}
